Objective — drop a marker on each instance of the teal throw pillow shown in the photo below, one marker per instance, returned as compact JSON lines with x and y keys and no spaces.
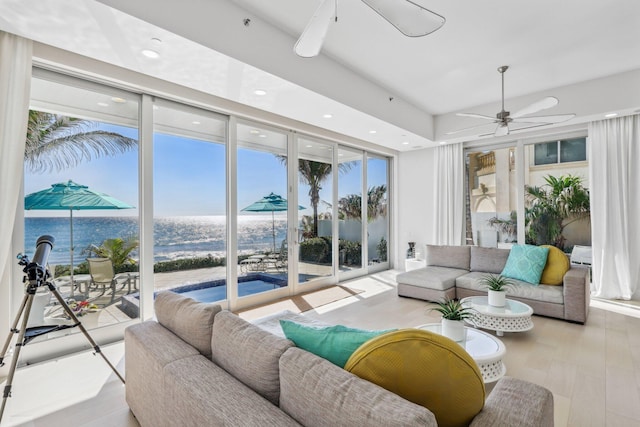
{"x":334,"y":343}
{"x":526,"y":263}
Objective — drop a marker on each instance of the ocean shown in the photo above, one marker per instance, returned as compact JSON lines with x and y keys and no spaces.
{"x":174,"y":237}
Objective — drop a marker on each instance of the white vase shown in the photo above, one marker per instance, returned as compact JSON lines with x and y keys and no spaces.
{"x":497,"y":298}
{"x":453,"y":329}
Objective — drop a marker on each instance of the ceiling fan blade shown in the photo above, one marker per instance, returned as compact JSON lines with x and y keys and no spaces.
{"x":543,"y":104}
{"x":477,"y":116}
{"x":558,"y":118}
{"x":310,"y":42}
{"x":408,"y":17}
{"x":469,"y":128}
{"x":502,"y":130}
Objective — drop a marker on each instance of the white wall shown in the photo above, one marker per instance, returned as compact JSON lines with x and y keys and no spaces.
{"x":416,"y":196}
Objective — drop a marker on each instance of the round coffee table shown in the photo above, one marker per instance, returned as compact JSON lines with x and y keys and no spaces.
{"x":486,"y":350}
{"x":515,"y":316}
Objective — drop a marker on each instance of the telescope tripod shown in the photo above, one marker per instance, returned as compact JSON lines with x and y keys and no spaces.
{"x":26,"y":334}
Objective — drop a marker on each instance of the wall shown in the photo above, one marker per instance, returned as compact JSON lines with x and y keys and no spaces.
{"x":416,"y":194}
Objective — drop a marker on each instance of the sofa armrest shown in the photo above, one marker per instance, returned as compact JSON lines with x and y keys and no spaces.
{"x":515,"y":402}
{"x":577,"y":294}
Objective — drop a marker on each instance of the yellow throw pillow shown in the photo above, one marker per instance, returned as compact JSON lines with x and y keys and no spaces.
{"x":557,"y":266}
{"x":424,"y":368}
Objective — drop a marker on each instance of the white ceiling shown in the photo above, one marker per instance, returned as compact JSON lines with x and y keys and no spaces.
{"x":368,"y":75}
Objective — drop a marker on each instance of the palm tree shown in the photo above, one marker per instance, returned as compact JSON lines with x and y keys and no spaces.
{"x":350,"y":206}
{"x":58,"y":142}
{"x":313,"y":174}
{"x":553,"y":206}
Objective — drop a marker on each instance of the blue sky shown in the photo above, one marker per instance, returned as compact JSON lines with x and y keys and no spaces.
{"x":189,"y":178}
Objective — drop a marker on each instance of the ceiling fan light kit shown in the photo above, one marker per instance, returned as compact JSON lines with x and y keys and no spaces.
{"x":504,"y":118}
{"x":408,"y":17}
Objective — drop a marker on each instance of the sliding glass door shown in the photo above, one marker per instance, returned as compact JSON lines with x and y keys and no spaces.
{"x":189,"y":201}
{"x":81,"y":187}
{"x":262,"y":238}
{"x":350,"y":208}
{"x":315,"y":213}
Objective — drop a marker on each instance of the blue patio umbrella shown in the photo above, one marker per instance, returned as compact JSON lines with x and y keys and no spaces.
{"x":271,"y":203}
{"x":71,"y":196}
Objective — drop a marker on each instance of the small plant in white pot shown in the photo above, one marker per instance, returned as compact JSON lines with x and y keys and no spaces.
{"x":453,"y":316}
{"x":496,"y":289}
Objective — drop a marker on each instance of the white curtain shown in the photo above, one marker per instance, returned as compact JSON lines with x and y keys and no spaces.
{"x":15,"y":87}
{"x":614,"y":167}
{"x":449,"y":203}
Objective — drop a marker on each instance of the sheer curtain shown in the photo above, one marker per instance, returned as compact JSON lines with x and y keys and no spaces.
{"x":449,"y":203}
{"x":614,"y":167}
{"x":15,"y":86}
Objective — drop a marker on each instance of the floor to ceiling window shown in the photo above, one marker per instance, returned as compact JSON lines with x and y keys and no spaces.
{"x":491,"y":197}
{"x":350,"y":205}
{"x":556,"y":193}
{"x":81,"y":187}
{"x":262,"y":238}
{"x":189,"y":192}
{"x":315,"y":213}
{"x":378,"y":212}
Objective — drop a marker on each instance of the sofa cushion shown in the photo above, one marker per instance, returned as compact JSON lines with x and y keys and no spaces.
{"x":519,"y":289}
{"x":488,"y":260}
{"x":319,"y":394}
{"x":248,"y":353}
{"x":557,"y":266}
{"x":425,"y":368}
{"x":449,"y":256}
{"x":149,"y":347}
{"x":187,"y":318}
{"x":526,"y":263}
{"x":200,"y":393}
{"x":440,"y":278}
{"x":335,"y":343}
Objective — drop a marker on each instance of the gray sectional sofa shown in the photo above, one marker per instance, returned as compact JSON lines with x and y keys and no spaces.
{"x":455,"y":272}
{"x":198,"y":365}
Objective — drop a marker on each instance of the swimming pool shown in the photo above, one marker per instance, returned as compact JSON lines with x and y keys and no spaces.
{"x":212,"y":291}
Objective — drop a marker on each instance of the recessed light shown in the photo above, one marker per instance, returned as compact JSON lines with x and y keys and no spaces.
{"x":118,"y":100}
{"x":254,"y":131}
{"x":327,"y":116}
{"x":405,"y":143}
{"x":260,"y":92}
{"x":150,"y":53}
{"x":373,"y":131}
{"x":103,"y":104}
{"x":611,"y":115}
{"x":443,"y":142}
{"x":340,"y":154}
{"x":262,"y":135}
{"x":309,"y":146}
{"x":195,"y":122}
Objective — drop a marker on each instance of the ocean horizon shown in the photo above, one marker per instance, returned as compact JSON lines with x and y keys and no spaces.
{"x":175,"y":237}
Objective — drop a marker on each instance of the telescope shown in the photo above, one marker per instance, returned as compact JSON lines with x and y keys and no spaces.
{"x":36,"y":269}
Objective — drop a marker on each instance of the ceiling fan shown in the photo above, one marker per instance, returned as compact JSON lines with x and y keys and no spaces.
{"x":407,"y":16}
{"x":504,"y":118}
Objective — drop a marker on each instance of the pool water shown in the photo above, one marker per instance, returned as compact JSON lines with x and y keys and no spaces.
{"x":217,"y":293}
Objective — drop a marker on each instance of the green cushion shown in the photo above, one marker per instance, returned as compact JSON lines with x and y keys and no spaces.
{"x":334,"y":343}
{"x":526,"y":263}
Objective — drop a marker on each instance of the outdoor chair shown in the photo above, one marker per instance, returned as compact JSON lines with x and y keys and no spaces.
{"x":103,"y":275}
{"x":278,"y":260}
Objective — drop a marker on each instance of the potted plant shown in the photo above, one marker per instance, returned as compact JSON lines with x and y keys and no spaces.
{"x":496,"y":289}
{"x":453,"y":316}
